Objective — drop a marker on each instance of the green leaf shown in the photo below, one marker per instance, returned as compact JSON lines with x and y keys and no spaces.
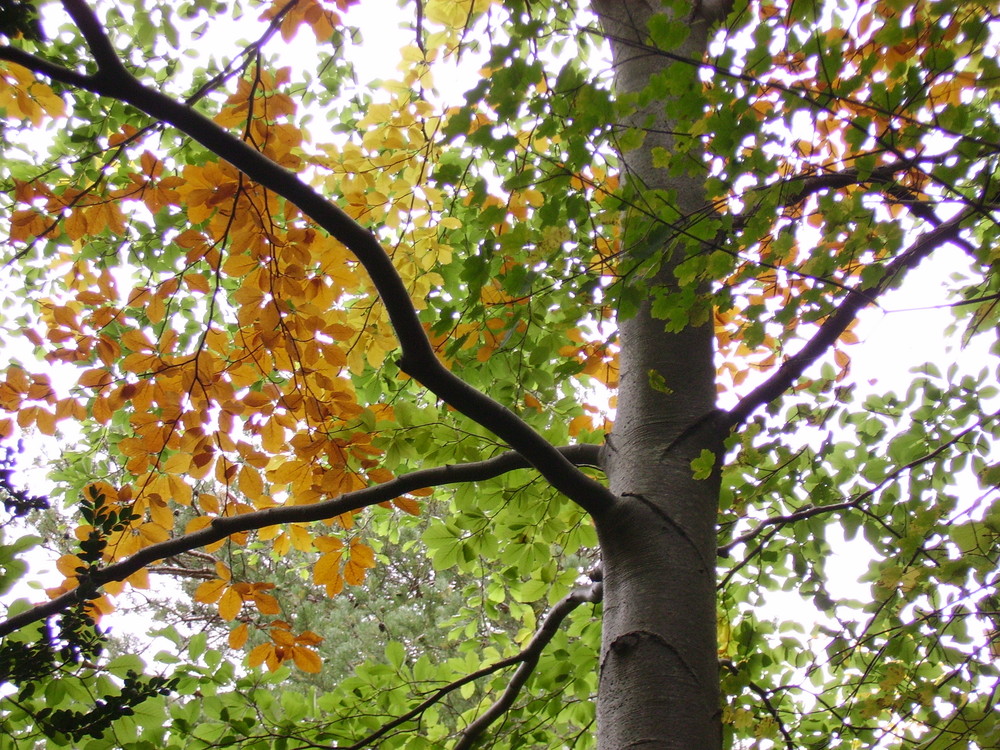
{"x":703,"y":466}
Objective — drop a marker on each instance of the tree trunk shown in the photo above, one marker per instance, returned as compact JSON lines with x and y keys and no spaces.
{"x":659,"y":668}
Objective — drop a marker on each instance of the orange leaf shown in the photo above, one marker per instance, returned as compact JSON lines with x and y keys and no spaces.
{"x":260,"y":654}
{"x":209,"y":591}
{"x":308,"y":638}
{"x":180,"y":491}
{"x":266,"y":604}
{"x":250,"y":483}
{"x":407,"y":505}
{"x":238,"y":636}
{"x":363,"y":555}
{"x":97,"y":378}
{"x":380,"y":475}
{"x":239,"y":265}
{"x":230,"y":604}
{"x":306,"y":659}
{"x":136,"y":341}
{"x":354,"y":574}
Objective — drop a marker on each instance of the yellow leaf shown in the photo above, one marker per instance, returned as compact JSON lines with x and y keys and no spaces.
{"x":209,"y":591}
{"x":260,"y":654}
{"x":306,"y":659}
{"x":177,"y":464}
{"x":580,"y":423}
{"x":250,"y":483}
{"x":301,"y":538}
{"x":222,"y":570}
{"x":209,"y":503}
{"x":273,"y":436}
{"x":335,"y":586}
{"x":282,"y":544}
{"x":67,"y":565}
{"x":328,"y":544}
{"x":230,"y":604}
{"x":139,"y":579}
{"x":180,"y":491}
{"x":327,"y":568}
{"x":197,"y":524}
{"x":849,"y":337}
{"x":309,"y":638}
{"x":238,"y":636}
{"x":153,"y":533}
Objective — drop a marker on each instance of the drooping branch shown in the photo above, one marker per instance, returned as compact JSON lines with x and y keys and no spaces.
{"x":418,"y":359}
{"x":529,"y":660}
{"x":220,"y":528}
{"x":835,"y":325}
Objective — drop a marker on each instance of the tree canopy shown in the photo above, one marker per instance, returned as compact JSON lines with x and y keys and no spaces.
{"x":538,"y":394}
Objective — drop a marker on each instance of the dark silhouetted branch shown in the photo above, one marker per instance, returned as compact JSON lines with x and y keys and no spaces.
{"x":418,"y":358}
{"x":839,"y":320}
{"x":529,"y":660}
{"x":222,"y":527}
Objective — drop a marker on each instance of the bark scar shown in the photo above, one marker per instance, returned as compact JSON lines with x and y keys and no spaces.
{"x":627,"y":642}
{"x":673,"y":524}
{"x":712,"y":419}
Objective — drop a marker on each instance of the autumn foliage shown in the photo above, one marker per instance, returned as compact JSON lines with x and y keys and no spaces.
{"x":227,"y":356}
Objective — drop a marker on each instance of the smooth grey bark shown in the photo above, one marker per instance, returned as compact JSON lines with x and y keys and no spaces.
{"x":659,"y":684}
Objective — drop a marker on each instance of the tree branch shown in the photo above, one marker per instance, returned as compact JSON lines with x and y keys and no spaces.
{"x":48,"y":69}
{"x":812,"y":97}
{"x":418,"y":359}
{"x":839,"y":320}
{"x":883,"y":175}
{"x":529,"y":660}
{"x":528,"y":655}
{"x":776,"y":523}
{"x":220,"y":528}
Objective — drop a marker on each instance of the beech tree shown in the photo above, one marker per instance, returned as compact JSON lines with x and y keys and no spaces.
{"x":581,"y":337}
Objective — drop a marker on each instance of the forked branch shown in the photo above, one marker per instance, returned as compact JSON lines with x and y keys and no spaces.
{"x":592,"y":593}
